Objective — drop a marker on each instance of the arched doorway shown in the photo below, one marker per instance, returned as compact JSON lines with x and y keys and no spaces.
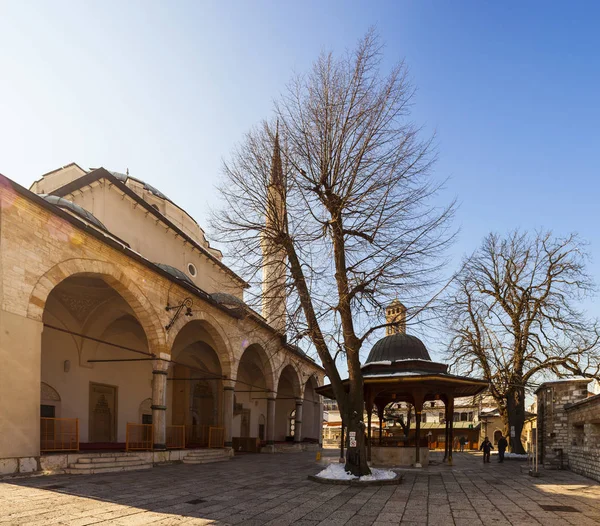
{"x":250,"y":398}
{"x":195,"y":384}
{"x":288,"y":391}
{"x":88,"y":327}
{"x":310,"y":412}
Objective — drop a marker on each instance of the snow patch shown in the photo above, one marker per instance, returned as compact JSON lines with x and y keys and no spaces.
{"x":516,"y":456}
{"x":382,"y":362}
{"x":338,"y":472}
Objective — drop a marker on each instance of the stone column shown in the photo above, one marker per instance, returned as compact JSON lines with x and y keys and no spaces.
{"x":418,"y":439}
{"x":451,"y":431}
{"x":320,"y":415}
{"x":298,"y":424}
{"x":446,"y":428}
{"x":369,"y":411}
{"x":160,"y":370}
{"x":228,"y":414}
{"x":418,"y":411}
{"x":270,"y":424}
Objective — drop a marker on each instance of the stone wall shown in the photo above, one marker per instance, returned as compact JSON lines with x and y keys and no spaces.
{"x":584,"y":437}
{"x":553,"y":421}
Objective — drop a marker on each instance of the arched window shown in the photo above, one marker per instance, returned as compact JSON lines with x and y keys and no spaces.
{"x":292,"y":423}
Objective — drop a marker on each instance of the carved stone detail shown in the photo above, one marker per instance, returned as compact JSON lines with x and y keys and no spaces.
{"x":78,"y":305}
{"x":49,"y":393}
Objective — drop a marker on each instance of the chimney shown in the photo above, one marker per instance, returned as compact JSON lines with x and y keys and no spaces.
{"x":395,"y":313}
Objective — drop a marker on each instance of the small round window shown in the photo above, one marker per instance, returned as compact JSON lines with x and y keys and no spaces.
{"x":192,"y":269}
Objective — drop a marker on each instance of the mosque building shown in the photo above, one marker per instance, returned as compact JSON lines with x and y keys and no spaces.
{"x":124,"y":337}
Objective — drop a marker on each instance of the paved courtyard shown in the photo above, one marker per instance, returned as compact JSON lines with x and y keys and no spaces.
{"x":273,"y":490}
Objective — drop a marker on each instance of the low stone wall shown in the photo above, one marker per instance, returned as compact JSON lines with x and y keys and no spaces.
{"x":398,"y":456}
{"x":58,"y":462}
{"x":585,"y":461}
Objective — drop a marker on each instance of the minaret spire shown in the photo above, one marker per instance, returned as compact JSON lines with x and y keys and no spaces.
{"x":274,"y":258}
{"x":276,"y":164}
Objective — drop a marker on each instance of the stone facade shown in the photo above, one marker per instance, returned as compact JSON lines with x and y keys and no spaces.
{"x":77,"y":300}
{"x":568,"y":422}
{"x":584,"y":436}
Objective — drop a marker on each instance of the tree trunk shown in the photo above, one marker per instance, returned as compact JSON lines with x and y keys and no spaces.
{"x":356,"y":452}
{"x":515,"y":409}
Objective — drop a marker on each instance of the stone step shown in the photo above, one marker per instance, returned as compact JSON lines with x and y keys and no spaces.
{"x":200,"y":460}
{"x":103,"y":460}
{"x":208,"y":452}
{"x":89,"y":470}
{"x":208,"y":455}
{"x":200,"y":457}
{"x":102,"y":465}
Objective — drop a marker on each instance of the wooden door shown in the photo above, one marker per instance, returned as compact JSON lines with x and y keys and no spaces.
{"x":103,"y":413}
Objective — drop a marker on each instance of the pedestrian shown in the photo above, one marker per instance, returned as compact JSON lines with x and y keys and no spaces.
{"x":462,"y":441}
{"x":486,"y":447}
{"x":502,"y":445}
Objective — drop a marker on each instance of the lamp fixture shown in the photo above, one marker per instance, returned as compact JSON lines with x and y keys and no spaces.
{"x":186,"y":303}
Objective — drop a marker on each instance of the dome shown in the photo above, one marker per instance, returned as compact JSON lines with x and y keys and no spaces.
{"x":396,"y":347}
{"x":176,"y":273}
{"x":148,"y":187}
{"x":65,"y":204}
{"x":228,"y":300}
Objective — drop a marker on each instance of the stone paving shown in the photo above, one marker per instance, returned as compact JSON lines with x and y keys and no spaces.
{"x":253,"y":490}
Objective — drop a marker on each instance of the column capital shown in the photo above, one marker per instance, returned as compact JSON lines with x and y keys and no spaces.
{"x":162,"y":363}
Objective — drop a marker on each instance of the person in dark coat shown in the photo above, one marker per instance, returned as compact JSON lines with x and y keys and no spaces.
{"x":502,"y":445}
{"x":486,"y":447}
{"x":462,"y":441}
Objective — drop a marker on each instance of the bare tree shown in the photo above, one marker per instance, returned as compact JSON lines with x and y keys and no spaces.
{"x":339,"y":192}
{"x":514,"y":319}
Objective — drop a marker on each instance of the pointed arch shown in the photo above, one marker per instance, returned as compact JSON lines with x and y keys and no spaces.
{"x":114,"y":276}
{"x":219,"y":340}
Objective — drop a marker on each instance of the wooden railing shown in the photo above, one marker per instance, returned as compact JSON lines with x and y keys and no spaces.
{"x":197,"y":435}
{"x":216,"y":437}
{"x":139,"y":437}
{"x":175,"y":437}
{"x":59,"y":434}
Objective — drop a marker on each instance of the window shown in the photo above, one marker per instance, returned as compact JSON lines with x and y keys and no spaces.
{"x":191,"y":270}
{"x":292,"y":424}
{"x":47,"y":411}
{"x":146,"y":419}
{"x":442,"y":418}
{"x":424,"y":417}
{"x":463,"y":417}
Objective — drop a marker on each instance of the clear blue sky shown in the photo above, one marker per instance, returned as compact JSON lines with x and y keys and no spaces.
{"x":166,"y":89}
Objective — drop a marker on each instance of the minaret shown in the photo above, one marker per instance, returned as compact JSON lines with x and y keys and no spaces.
{"x":395,"y":313}
{"x":274,"y":258}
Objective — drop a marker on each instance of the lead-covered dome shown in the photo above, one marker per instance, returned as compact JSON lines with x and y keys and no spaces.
{"x":396,"y":347}
{"x":74,"y":208}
